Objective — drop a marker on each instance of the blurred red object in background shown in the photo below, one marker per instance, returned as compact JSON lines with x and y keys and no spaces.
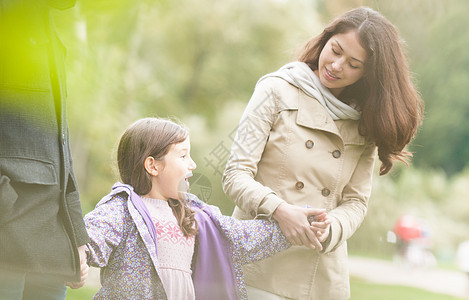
{"x":408,"y":227}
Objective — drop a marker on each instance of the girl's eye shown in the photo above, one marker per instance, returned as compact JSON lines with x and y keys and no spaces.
{"x":335,"y":52}
{"x":183,"y":156}
{"x":353,"y":67}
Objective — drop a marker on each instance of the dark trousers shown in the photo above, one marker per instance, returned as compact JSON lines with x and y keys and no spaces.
{"x":30,"y":286}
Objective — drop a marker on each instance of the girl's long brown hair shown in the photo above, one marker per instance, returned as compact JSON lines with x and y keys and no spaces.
{"x":392,"y":109}
{"x":152,"y":137}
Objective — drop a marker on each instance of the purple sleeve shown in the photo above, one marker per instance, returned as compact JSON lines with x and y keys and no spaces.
{"x":105,"y":225}
{"x":253,"y":240}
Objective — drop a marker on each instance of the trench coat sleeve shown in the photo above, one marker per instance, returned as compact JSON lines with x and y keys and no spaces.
{"x":352,"y":208}
{"x":246,"y":152}
{"x":105,"y":225}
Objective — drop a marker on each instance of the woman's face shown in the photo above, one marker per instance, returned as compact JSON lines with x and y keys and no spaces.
{"x":341,"y":62}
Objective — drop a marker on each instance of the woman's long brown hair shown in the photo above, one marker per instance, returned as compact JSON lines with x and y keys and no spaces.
{"x":152,"y":137}
{"x":392,"y":109}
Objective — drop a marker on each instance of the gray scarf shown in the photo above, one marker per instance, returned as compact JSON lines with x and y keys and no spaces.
{"x":300,"y":75}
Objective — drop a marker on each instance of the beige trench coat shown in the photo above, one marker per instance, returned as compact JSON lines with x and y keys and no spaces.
{"x":288,"y":148}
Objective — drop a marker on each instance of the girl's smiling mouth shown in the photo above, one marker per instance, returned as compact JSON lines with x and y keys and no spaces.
{"x":188,"y":175}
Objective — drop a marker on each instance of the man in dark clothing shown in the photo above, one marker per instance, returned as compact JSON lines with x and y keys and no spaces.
{"x":42,"y":233}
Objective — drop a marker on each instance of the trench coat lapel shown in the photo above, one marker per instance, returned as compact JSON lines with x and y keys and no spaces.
{"x":311,"y":114}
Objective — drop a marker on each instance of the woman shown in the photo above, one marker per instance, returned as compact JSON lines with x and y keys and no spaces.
{"x":309,"y":136}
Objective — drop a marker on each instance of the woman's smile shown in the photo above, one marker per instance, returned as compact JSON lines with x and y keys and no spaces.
{"x":330,"y":75}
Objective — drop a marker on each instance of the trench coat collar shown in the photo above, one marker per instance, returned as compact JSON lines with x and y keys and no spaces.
{"x":312,"y":114}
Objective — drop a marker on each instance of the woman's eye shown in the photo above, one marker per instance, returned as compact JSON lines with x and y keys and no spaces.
{"x":335,"y":52}
{"x":353,"y":67}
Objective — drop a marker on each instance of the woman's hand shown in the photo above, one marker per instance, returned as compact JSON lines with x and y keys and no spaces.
{"x":293,"y":222}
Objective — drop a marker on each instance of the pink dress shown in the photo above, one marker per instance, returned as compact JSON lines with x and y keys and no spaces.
{"x":175,"y":251}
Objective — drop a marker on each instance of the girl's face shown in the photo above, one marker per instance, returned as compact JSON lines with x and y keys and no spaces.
{"x":173,"y":172}
{"x":341,"y":62}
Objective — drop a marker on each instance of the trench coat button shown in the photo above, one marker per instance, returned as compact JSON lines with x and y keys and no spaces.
{"x":325,"y":192}
{"x":309,"y":144}
{"x":336,"y":153}
{"x":299,"y":185}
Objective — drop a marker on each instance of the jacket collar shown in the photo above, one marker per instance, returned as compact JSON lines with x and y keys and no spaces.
{"x":140,"y":215}
{"x":312,"y":114}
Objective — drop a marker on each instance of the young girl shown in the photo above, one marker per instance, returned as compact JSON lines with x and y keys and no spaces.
{"x":152,"y":240}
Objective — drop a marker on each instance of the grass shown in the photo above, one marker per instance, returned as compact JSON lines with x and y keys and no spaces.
{"x":360,"y":289}
{"x":365,"y":290}
{"x":85,"y":293}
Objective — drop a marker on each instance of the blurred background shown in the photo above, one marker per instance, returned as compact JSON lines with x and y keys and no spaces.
{"x":199,"y":60}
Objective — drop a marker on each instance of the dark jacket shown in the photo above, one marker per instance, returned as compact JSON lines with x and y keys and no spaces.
{"x":41,"y":222}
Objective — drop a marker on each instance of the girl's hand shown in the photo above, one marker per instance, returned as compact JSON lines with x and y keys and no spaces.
{"x":321,"y":227}
{"x":293,"y":222}
{"x":84,"y":268}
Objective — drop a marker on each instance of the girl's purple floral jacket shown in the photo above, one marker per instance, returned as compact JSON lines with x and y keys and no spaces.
{"x":123,"y":245}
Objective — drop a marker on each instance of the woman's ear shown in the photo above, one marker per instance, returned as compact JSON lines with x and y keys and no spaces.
{"x":151,"y":166}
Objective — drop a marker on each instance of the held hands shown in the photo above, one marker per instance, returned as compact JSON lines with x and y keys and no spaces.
{"x":293,"y":222}
{"x":321,"y":225}
{"x":83,"y":269}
